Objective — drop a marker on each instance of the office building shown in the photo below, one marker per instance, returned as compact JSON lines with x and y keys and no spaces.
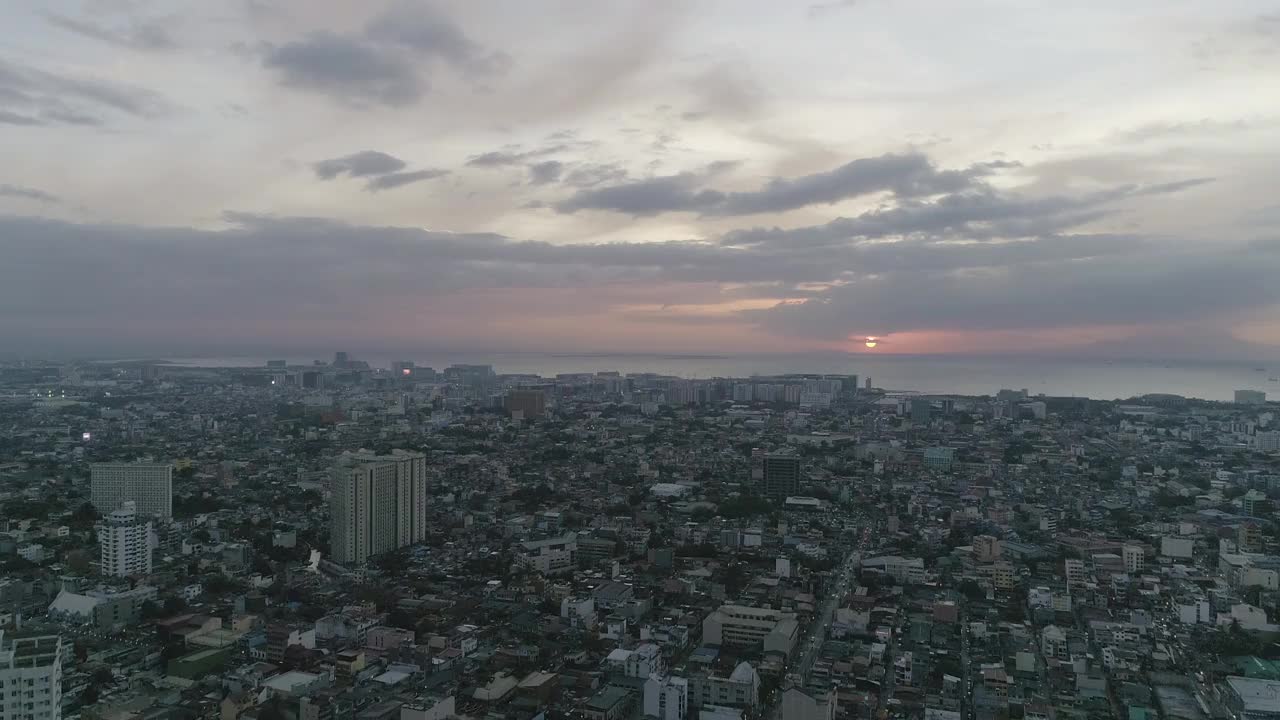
{"x":1250,"y":397}
{"x":778,"y":474}
{"x":920,"y":410}
{"x":379,"y":504}
{"x":125,"y":542}
{"x":30,"y":677}
{"x":148,"y":485}
{"x":751,"y":627}
{"x":526,"y":402}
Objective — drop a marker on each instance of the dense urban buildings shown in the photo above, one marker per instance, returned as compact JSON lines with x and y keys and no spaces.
{"x":349,"y":541}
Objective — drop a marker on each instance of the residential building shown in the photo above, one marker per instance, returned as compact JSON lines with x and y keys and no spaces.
{"x":778,"y":474}
{"x":1135,"y":559}
{"x":666,"y":698}
{"x":30,"y":677}
{"x":1075,"y":574}
{"x":379,"y":504}
{"x":986,"y":549}
{"x":800,"y":704}
{"x":148,"y":485}
{"x":125,"y":542}
{"x":740,"y":690}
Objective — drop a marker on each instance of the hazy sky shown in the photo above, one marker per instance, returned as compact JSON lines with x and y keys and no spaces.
{"x":640,"y":175}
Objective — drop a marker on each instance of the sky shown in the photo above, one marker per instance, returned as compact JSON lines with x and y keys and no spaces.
{"x":732,"y":176}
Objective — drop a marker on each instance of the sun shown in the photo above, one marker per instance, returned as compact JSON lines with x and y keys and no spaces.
{"x":871,"y":342}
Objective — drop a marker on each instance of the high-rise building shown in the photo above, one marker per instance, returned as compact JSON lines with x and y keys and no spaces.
{"x":30,"y":677}
{"x":148,"y":485}
{"x":920,"y":409}
{"x":529,"y":402}
{"x":1074,"y":571}
{"x":779,"y":474}
{"x":125,"y":542}
{"x":379,"y":504}
{"x":1251,"y":397}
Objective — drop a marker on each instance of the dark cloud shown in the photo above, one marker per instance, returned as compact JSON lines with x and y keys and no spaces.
{"x":357,"y":274}
{"x":907,"y":176}
{"x":26,"y":193}
{"x":360,"y":164}
{"x":400,"y":179}
{"x":348,"y":69}
{"x":429,"y":33}
{"x":31,"y":96}
{"x":510,"y":156}
{"x":388,"y":63}
{"x":383,"y":171}
{"x":144,"y":36}
{"x":548,"y":171}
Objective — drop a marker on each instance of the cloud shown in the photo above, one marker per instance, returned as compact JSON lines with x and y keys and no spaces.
{"x":383,"y":171}
{"x":347,"y":69}
{"x":507,"y":157}
{"x":429,"y":33}
{"x":26,"y":193}
{"x":360,"y":164}
{"x":400,"y":179}
{"x":31,"y":96}
{"x":387,"y":63}
{"x":148,"y":36}
{"x":906,"y":175}
{"x":545,"y":172}
{"x":356,"y":276}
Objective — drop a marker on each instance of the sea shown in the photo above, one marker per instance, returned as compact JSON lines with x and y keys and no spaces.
{"x":960,"y":375}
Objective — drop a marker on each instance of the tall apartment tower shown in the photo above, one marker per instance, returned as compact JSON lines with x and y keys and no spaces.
{"x":31,"y":675}
{"x":125,"y":542}
{"x":778,"y":474}
{"x":378,"y":504}
{"x":148,"y":485}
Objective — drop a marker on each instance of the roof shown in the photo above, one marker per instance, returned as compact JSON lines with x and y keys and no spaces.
{"x":74,"y":604}
{"x":1260,"y":696}
{"x":288,"y":681}
{"x":607,"y":698}
{"x":743,"y":673}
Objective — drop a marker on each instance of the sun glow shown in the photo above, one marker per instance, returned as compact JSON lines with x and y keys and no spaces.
{"x":871,"y":342}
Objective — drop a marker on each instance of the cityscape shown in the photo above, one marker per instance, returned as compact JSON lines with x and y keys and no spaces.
{"x":639,"y":360}
{"x":336,"y":540}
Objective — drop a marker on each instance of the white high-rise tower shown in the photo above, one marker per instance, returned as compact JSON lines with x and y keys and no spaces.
{"x":126,"y":541}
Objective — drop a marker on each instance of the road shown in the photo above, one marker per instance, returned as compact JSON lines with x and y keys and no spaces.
{"x":816,"y":635}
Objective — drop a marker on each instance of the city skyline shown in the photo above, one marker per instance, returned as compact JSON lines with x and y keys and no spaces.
{"x":641,"y":177}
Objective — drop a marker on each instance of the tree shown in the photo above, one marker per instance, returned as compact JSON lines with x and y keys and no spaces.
{"x":971,"y":589}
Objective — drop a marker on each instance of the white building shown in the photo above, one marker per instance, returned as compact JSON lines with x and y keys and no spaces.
{"x":125,"y":542}
{"x":1075,"y":573}
{"x":149,"y":485}
{"x":31,"y":678}
{"x":666,"y":698}
{"x":740,"y":690}
{"x":750,"y":627}
{"x":1135,"y":559}
{"x":549,"y":557}
{"x":379,"y":504}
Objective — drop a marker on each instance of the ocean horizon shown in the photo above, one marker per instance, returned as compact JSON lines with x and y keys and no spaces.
{"x":1102,"y":379}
